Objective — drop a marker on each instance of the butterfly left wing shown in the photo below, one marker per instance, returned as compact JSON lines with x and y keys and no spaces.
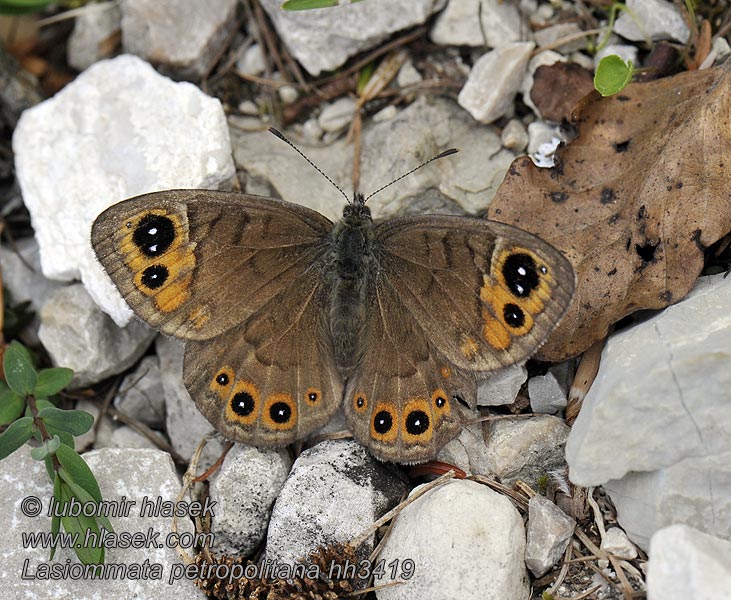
{"x":454,"y":298}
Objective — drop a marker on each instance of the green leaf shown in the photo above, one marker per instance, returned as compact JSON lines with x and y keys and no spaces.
{"x":48,"y":447}
{"x":19,"y":371}
{"x":17,"y":434}
{"x":87,"y":553}
{"x":78,"y":470}
{"x":75,"y":422}
{"x":52,"y":381}
{"x":84,"y":496}
{"x":364,"y":77}
{"x":310,"y":4}
{"x":55,"y":521}
{"x":612,"y":75}
{"x":11,"y":405}
{"x":66,"y":438}
{"x":19,"y":7}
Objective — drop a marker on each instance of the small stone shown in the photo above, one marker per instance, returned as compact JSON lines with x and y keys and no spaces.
{"x":249,"y":108}
{"x":548,"y":36}
{"x":468,"y":451}
{"x":515,"y":136}
{"x":720,"y":49}
{"x":140,"y":132}
{"x":502,"y":386}
{"x":543,"y":139}
{"x":323,"y":40}
{"x":93,"y":28}
{"x":685,"y":563}
{"x":252,"y":61}
{"x":78,"y":335}
{"x":547,"y":57}
{"x":408,"y":75}
{"x":658,"y":19}
{"x":184,"y":423}
{"x":141,"y":396}
{"x":385,"y":114}
{"x":126,"y":437}
{"x":183,"y":35}
{"x":468,"y":540}
{"x":494,"y":80}
{"x":526,"y":449}
{"x":346,"y":490}
{"x":583,"y":60}
{"x":287,"y":94}
{"x":625,"y":51}
{"x":542,"y":16}
{"x":459,"y":24}
{"x":100,"y":435}
{"x":244,"y":489}
{"x":617,"y":543}
{"x":546,"y":395}
{"x":549,"y":533}
{"x":338,"y":115}
{"x":311,"y":130}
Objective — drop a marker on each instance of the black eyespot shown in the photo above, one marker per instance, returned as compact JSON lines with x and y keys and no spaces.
{"x":382,"y":422}
{"x":154,"y":234}
{"x":417,"y":422}
{"x":519,"y":271}
{"x":222,"y":379}
{"x":280,"y":412}
{"x":242,"y":404}
{"x":513,"y":315}
{"x":440,"y":401}
{"x":155,"y":276}
{"x":313,"y":396}
{"x":360,"y":401}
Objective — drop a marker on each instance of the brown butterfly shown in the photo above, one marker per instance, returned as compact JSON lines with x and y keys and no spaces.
{"x":286,"y":315}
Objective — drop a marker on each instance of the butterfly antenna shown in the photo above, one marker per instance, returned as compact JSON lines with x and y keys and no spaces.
{"x":280,"y":135}
{"x":447,"y":152}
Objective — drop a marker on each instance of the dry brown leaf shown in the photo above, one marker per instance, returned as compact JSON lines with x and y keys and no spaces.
{"x":558,"y":87}
{"x":633,"y":201}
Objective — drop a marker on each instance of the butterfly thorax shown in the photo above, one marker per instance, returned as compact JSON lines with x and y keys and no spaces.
{"x":352,"y":267}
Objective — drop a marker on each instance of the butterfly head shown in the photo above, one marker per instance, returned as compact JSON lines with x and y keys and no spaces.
{"x":357,"y":213}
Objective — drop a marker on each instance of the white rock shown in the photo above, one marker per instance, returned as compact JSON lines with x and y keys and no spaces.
{"x":141,"y":396}
{"x":543,"y":139}
{"x":128,"y":475}
{"x":695,"y":491}
{"x":459,"y":25}
{"x":502,"y":386}
{"x":249,"y":108}
{"x":617,"y":543}
{"x":126,"y":437}
{"x":288,"y":94}
{"x":549,"y":35}
{"x":78,"y":335}
{"x":252,"y":61}
{"x":542,"y":15}
{"x":464,"y":540}
{"x":408,"y":75}
{"x":322,"y":40}
{"x":245,"y":488}
{"x":92,"y":30}
{"x":385,"y":114}
{"x":526,"y":449}
{"x":546,"y":395}
{"x":547,"y":58}
{"x":720,"y":49}
{"x":468,"y":451}
{"x":184,"y":35}
{"x":657,"y":19}
{"x":494,"y":80}
{"x":673,"y":366}
{"x":515,"y":136}
{"x":311,"y":130}
{"x":625,"y":51}
{"x":549,"y":533}
{"x":100,"y":434}
{"x":184,"y":423}
{"x":685,"y":563}
{"x":334,"y":493}
{"x":338,"y":115}
{"x":118,"y":130}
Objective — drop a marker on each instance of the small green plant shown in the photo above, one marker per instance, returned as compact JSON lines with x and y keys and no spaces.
{"x":612,"y":75}
{"x":26,"y":409}
{"x":23,"y":7}
{"x":310,"y":4}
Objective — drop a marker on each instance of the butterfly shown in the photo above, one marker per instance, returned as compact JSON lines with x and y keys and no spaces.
{"x":287,"y":316}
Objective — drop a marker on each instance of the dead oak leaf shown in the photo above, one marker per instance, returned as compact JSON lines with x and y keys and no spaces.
{"x":632,"y":201}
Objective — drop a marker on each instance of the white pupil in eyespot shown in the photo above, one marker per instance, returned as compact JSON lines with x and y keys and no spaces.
{"x":522,"y":271}
{"x":153,"y":248}
{"x":152,"y":231}
{"x":519,"y":289}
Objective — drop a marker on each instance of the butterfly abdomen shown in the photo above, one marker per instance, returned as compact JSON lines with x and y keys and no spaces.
{"x":352,"y":266}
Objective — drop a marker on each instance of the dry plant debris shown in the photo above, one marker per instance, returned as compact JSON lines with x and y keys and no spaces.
{"x":633,"y":201}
